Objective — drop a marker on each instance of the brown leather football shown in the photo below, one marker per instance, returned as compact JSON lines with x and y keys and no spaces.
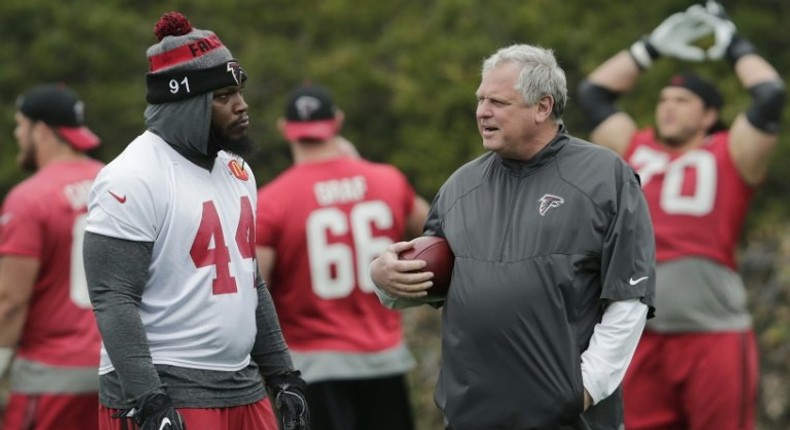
{"x":436,"y":252}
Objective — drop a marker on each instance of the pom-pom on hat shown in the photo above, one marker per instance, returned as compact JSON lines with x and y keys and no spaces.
{"x":310,"y":114}
{"x":60,"y":108}
{"x":187,"y":62}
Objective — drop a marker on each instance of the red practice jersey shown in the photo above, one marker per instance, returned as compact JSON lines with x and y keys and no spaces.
{"x":697,"y":199}
{"x":326,"y":222}
{"x":44,"y":218}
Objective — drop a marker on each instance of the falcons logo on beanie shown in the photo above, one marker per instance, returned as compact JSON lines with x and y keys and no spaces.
{"x":235,"y":69}
{"x":549,"y":201}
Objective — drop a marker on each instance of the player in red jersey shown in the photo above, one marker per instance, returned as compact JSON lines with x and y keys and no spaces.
{"x":45,"y":313}
{"x":320,"y":224}
{"x":696,"y":365}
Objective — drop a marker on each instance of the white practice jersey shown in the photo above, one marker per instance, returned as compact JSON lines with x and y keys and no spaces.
{"x":198,"y":306}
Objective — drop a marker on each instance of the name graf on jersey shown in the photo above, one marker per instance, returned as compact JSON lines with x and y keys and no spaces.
{"x":340,"y":190}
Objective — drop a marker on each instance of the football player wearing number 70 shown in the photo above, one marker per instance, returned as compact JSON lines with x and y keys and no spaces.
{"x":696,"y":364}
{"x":188,"y":327}
{"x":45,"y":313}
{"x":320,"y":224}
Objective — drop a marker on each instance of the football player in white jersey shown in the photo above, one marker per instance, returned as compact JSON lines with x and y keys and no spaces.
{"x":188,"y":327}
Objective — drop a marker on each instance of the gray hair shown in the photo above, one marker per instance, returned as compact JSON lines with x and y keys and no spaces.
{"x":540,"y":74}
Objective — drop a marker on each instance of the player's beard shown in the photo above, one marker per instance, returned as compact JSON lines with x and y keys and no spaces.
{"x":671,"y":141}
{"x":242,"y":146}
{"x":27,"y":158}
{"x":678,"y":138}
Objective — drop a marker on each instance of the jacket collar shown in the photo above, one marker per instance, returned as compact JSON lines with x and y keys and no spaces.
{"x":544,"y":156}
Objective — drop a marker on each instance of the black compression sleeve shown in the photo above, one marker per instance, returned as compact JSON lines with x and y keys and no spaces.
{"x":765,"y":112}
{"x":597,"y":102}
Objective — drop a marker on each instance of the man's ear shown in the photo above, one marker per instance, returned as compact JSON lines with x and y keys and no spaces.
{"x":42,"y":132}
{"x":710,"y":118}
{"x":545,"y":107}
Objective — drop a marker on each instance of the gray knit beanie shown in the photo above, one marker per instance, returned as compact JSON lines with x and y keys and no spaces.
{"x":187,"y":62}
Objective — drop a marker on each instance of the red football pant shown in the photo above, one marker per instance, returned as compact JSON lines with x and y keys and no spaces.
{"x":51,"y":411}
{"x":255,"y":416}
{"x":700,"y":381}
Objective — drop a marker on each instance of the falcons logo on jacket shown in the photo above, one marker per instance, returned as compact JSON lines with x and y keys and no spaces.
{"x":549,"y":201}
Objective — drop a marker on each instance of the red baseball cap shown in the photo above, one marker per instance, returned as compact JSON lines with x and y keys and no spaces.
{"x":60,"y":108}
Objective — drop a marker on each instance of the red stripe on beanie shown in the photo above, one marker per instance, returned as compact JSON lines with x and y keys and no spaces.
{"x":184,"y":53}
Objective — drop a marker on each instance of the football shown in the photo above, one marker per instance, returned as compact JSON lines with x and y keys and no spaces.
{"x":439,"y":257}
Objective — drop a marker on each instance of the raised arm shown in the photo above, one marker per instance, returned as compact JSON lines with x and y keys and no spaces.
{"x":754,"y":132}
{"x":598,"y":93}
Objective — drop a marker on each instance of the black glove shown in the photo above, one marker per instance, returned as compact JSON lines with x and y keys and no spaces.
{"x":156,"y":412}
{"x":288,"y":393}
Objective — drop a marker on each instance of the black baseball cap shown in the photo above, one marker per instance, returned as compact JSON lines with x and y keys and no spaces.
{"x":709,"y":94}
{"x":705,"y":90}
{"x":310,"y":114}
{"x":60,"y":108}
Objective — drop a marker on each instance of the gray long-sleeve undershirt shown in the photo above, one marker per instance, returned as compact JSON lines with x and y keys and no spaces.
{"x":117,"y":271}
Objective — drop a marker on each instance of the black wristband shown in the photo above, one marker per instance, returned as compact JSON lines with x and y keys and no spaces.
{"x":291,"y":378}
{"x":643,"y":52}
{"x":738,"y":48}
{"x":650,"y":48}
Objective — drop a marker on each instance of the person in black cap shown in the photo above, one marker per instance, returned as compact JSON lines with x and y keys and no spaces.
{"x":696,"y":365}
{"x":45,"y":314}
{"x":319,"y":224}
{"x":188,"y":327}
